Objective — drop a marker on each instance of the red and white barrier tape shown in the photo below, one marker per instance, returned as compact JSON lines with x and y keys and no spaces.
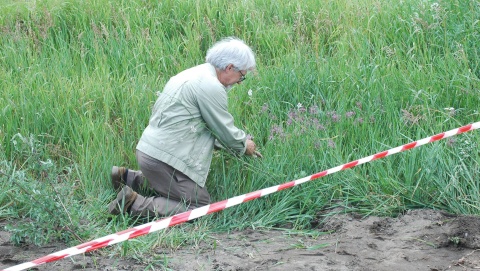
{"x":219,"y":206}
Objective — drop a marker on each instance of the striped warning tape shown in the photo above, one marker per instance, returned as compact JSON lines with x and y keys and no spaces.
{"x":221,"y":205}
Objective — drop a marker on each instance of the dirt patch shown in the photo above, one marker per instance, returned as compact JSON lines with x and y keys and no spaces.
{"x":418,"y":240}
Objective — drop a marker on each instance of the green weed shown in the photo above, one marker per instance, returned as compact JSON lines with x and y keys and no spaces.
{"x":41,"y":195}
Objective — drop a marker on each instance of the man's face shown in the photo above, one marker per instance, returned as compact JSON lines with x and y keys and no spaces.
{"x":234,"y":76}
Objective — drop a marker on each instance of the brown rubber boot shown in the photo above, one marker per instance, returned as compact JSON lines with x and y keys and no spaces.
{"x":125,"y":198}
{"x":117,"y":177}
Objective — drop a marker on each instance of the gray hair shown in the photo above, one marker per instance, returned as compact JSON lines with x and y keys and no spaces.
{"x":231,"y":50}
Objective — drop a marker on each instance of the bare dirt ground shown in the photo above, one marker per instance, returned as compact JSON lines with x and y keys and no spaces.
{"x":418,"y":240}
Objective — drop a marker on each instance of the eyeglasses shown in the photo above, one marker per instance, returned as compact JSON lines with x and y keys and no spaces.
{"x":242,"y":78}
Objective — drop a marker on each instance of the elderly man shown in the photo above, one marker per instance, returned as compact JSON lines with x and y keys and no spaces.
{"x":189,"y":118}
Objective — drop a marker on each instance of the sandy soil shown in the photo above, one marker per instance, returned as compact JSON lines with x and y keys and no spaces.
{"x":419,"y":240}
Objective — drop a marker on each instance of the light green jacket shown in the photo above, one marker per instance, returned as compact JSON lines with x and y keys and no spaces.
{"x":190,"y":113}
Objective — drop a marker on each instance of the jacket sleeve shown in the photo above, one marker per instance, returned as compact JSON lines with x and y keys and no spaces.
{"x":213,"y":106}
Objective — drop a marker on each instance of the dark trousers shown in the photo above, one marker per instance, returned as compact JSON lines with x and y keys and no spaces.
{"x":175,"y":192}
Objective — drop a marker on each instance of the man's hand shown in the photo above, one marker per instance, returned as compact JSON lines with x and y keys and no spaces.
{"x":251,"y":149}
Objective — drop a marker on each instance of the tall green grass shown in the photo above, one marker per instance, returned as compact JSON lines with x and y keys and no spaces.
{"x":336,"y":81}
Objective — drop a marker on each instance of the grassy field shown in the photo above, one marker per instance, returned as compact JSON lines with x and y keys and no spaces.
{"x":336,"y":81}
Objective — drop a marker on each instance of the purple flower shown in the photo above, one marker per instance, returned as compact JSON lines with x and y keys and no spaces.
{"x":276,"y":131}
{"x":313,"y":110}
{"x":359,"y":105}
{"x":292,"y":114}
{"x":350,"y":114}
{"x":276,"y":128}
{"x":264,"y":108}
{"x":331,"y":144}
{"x":317,"y":125}
{"x":335,"y":117}
{"x":359,"y":120}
